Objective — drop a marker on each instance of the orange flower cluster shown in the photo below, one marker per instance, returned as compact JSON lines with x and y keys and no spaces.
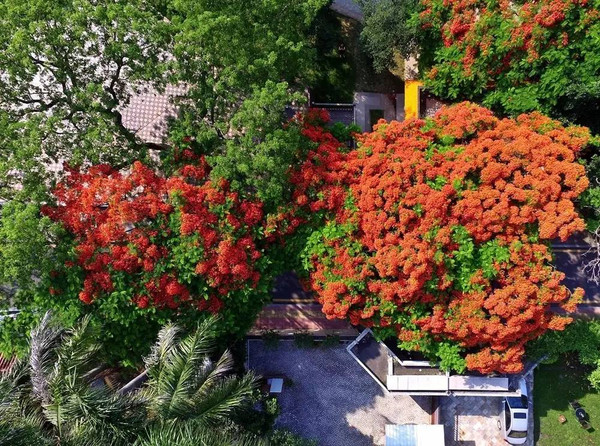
{"x":438,"y":229}
{"x":323,"y":166}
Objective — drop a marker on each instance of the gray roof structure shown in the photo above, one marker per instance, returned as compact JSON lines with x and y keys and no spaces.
{"x":348,"y":8}
{"x":414,"y":435}
{"x":416,"y":377}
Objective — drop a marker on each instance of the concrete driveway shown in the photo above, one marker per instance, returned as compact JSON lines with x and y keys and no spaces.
{"x":331,"y":398}
{"x":473,"y":420}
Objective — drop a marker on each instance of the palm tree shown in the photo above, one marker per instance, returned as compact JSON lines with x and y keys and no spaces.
{"x":190,"y":400}
{"x":53,"y":397}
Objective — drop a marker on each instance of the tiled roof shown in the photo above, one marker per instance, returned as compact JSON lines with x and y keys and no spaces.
{"x":6,"y":364}
{"x":148,"y":113}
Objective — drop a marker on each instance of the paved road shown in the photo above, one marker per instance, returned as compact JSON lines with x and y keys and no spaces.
{"x":571,"y":262}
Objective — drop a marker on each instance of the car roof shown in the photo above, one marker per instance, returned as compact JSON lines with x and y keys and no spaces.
{"x":519,"y":402}
{"x":518,"y":424}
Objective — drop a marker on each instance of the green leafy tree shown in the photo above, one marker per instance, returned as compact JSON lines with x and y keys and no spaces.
{"x":244,"y":63}
{"x":68,"y":68}
{"x":234,"y":50}
{"x":257,"y":162}
{"x":389,"y":30}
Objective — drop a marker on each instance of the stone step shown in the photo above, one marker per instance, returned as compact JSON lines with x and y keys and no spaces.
{"x":294,"y":300}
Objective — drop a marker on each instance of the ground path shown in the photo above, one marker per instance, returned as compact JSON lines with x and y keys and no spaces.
{"x":294,"y":310}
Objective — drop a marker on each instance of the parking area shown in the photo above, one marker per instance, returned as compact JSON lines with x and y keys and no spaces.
{"x":330,"y":398}
{"x":473,"y":420}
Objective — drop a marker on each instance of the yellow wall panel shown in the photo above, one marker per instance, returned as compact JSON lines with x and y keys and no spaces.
{"x":411,"y":98}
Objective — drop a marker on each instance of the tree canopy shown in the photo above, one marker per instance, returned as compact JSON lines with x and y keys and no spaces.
{"x":389,"y":30}
{"x":438,"y":231}
{"x":434,"y":231}
{"x":67,"y":71}
{"x":512,"y":57}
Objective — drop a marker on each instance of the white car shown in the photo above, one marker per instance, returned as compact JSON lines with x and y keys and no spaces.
{"x":514,"y":416}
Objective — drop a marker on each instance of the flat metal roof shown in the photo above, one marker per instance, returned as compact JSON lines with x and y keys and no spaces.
{"x":414,"y":435}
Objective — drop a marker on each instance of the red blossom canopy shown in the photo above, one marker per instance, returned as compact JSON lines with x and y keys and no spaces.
{"x":165,"y":241}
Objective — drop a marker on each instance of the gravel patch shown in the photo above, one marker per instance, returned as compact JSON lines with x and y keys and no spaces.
{"x":331,"y":398}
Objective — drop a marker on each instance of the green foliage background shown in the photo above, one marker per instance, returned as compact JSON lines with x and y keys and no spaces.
{"x":243,"y":63}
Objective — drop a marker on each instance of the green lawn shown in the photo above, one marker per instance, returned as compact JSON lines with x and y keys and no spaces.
{"x":555,"y":385}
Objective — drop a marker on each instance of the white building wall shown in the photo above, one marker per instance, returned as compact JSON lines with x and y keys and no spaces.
{"x":365,"y":102}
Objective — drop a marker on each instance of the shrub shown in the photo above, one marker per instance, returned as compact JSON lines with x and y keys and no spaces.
{"x":270,"y":339}
{"x":286,"y":438}
{"x":303,"y":339}
{"x":331,"y":340}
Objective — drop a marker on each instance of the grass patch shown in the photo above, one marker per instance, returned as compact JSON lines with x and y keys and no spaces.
{"x":555,"y":385}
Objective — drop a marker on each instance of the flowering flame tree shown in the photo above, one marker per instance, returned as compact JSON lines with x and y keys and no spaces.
{"x":177,"y":244}
{"x":438,"y":231}
{"x":515,"y":56}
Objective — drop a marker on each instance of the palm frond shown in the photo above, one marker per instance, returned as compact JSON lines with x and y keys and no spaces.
{"x":78,"y":349}
{"x":11,"y":382}
{"x":21,"y":423}
{"x":213,"y":373}
{"x":84,"y":411}
{"x":175,"y":367}
{"x":21,"y":420}
{"x":44,"y":339}
{"x":167,"y":340}
{"x":21,"y":434}
{"x":192,"y":434}
{"x":228,"y":396}
{"x":66,"y":381}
